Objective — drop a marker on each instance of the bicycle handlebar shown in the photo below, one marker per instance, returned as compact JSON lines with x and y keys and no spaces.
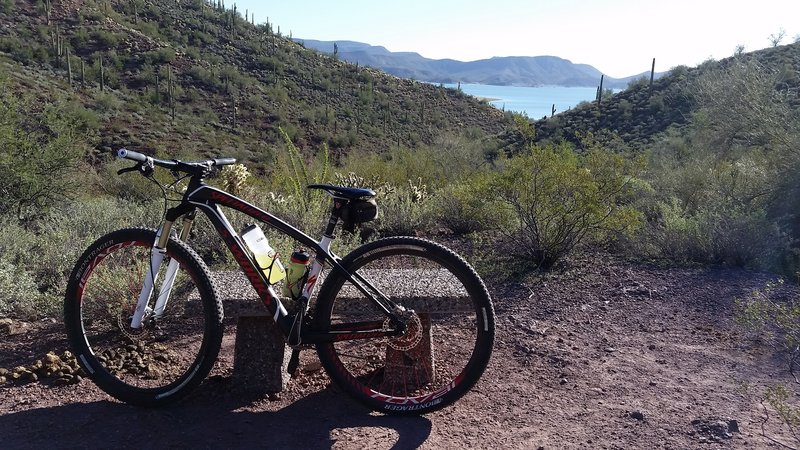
{"x":191,"y":167}
{"x":128,"y":154}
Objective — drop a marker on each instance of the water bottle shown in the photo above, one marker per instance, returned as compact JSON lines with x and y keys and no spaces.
{"x":264,"y":255}
{"x":295,"y":272}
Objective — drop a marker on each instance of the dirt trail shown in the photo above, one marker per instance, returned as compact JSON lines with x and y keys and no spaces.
{"x":600,"y":356}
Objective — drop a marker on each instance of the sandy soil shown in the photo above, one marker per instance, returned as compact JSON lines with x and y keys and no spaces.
{"x":600,"y":355}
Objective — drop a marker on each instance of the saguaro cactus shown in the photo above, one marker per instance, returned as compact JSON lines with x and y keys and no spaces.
{"x":69,"y":69}
{"x":600,"y":90}
{"x":652,"y":72}
{"x":102,"y":76}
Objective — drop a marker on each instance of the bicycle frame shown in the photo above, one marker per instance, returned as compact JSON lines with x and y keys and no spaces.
{"x":210,"y":200}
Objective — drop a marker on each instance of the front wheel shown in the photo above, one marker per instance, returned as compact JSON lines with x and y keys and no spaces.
{"x":448,"y":318}
{"x":170,"y":353}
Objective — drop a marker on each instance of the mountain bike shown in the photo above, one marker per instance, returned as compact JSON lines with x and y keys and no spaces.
{"x":402,"y":324}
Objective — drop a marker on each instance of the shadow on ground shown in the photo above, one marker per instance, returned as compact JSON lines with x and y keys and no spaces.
{"x":204,"y":420}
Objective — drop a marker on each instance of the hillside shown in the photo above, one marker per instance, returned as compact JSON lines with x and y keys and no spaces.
{"x":642,"y":111}
{"x":163,"y":76}
{"x":498,"y":71}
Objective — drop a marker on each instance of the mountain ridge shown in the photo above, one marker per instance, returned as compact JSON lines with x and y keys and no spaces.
{"x":543,"y":70}
{"x":149,"y":74}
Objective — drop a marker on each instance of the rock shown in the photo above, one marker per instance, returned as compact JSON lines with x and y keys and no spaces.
{"x":5,"y":325}
{"x":18,"y":372}
{"x":638,"y":415}
{"x":52,"y":359}
{"x":3,"y":379}
{"x":609,"y":349}
{"x":4,"y":372}
{"x":716,"y":428}
{"x":312,"y":366}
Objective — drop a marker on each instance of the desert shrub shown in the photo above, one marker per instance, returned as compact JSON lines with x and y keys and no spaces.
{"x":106,"y":39}
{"x":450,"y":157}
{"x":18,"y":50}
{"x":715,"y":207}
{"x":157,"y":57}
{"x":404,"y":210}
{"x":19,"y":295}
{"x":466,"y":207}
{"x":772,"y":317}
{"x":39,"y":148}
{"x":559,"y":199}
{"x":41,"y":257}
{"x":673,"y":234}
{"x":724,"y":235}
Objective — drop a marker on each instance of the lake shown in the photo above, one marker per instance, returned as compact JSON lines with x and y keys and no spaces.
{"x":536,"y":102}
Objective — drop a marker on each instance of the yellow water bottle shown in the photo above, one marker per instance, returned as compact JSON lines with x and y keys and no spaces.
{"x":295,"y":274}
{"x":265,"y":256}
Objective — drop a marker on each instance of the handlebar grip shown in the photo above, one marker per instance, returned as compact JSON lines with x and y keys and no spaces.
{"x":128,"y":154}
{"x":224,"y":161}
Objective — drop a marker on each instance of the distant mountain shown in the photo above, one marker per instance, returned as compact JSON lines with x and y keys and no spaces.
{"x":500,"y":71}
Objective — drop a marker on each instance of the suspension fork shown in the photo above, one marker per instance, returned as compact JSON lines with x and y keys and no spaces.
{"x":159,"y":251}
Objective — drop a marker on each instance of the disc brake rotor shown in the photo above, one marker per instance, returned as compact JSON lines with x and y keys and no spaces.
{"x":411,"y":338}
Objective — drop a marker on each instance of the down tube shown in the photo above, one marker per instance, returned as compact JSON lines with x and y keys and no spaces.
{"x":208,"y":200}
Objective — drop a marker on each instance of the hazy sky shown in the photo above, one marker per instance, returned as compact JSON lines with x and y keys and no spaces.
{"x":618,"y":37}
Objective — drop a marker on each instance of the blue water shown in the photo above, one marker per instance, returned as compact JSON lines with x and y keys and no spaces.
{"x":536,"y":102}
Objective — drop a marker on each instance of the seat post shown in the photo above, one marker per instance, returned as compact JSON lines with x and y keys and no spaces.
{"x":336,"y":214}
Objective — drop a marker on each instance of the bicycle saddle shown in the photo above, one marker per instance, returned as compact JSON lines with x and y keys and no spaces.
{"x":348,"y":193}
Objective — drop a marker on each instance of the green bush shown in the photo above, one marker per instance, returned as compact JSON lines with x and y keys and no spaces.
{"x":465,"y":207}
{"x":714,"y":208}
{"x":41,"y":257}
{"x":19,"y":295}
{"x":6,"y":6}
{"x":771,"y":317}
{"x":106,"y":39}
{"x":560,"y":199}
{"x":39,"y":150}
{"x":404,"y":210}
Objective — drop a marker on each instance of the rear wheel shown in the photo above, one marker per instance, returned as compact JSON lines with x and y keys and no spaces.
{"x":449,"y":322}
{"x":169,"y":355}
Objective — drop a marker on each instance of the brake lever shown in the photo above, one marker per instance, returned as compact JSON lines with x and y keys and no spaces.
{"x":143,"y":167}
{"x":135,"y":168}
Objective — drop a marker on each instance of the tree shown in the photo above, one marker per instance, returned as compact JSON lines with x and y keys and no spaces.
{"x":740,"y":104}
{"x":776,"y":38}
{"x":39,"y":150}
